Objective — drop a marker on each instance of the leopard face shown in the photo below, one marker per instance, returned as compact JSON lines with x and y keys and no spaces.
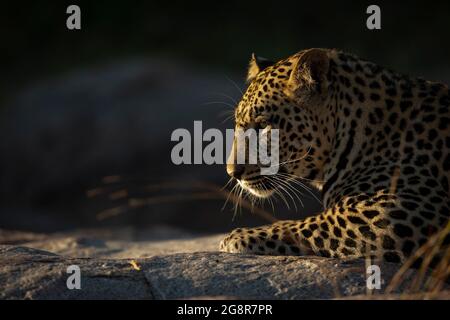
{"x":291,"y":96}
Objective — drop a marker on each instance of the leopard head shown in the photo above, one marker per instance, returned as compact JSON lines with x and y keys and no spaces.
{"x":291,"y":96}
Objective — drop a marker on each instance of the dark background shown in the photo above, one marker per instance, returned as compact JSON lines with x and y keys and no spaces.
{"x":78,"y":106}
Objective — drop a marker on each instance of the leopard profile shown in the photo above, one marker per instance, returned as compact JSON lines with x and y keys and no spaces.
{"x":375,"y":142}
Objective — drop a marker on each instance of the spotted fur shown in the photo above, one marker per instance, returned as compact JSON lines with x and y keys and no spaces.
{"x":376,"y":143}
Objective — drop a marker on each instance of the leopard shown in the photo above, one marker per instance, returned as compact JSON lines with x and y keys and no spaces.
{"x":374,"y":143}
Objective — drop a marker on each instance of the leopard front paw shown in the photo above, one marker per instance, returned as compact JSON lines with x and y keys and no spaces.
{"x":237,"y":242}
{"x":267,"y":240}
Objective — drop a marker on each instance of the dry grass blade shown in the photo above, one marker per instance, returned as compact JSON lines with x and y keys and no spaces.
{"x":433,"y":252}
{"x":440,"y":274}
{"x":211,"y":191}
{"x":112,"y":212}
{"x":427,"y":250}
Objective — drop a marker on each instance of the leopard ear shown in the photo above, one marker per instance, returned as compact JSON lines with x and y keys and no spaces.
{"x":256,"y":65}
{"x":309,"y":74}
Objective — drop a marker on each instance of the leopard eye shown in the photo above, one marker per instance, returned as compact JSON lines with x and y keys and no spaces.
{"x":261,"y":124}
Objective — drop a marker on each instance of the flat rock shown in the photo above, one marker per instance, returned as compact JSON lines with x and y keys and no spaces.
{"x":173,"y":269}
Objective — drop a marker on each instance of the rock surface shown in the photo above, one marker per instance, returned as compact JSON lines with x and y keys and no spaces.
{"x":170,"y":269}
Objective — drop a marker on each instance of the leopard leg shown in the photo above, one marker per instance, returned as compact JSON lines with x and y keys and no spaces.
{"x":351,"y":229}
{"x":322,"y":235}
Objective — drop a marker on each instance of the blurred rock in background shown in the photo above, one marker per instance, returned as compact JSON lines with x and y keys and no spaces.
{"x":61,"y":137}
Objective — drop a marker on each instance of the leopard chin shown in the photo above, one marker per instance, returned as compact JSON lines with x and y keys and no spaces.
{"x":257,"y":189}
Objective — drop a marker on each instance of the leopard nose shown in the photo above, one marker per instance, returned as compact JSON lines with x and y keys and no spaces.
{"x":236,"y":170}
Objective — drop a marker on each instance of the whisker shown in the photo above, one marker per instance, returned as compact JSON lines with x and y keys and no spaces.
{"x":295,"y":191}
{"x":226,"y":113}
{"x":229,"y":195}
{"x":240,"y":201}
{"x":218,"y":102}
{"x":238,"y":194}
{"x":226,"y":184}
{"x":295,"y":160}
{"x":234,"y":83}
{"x":230,"y":117}
{"x":269,"y":199}
{"x":302,"y":185}
{"x":233,"y":100}
{"x":302,"y":178}
{"x":275,"y":188}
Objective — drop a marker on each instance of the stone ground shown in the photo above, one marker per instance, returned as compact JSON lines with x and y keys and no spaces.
{"x":122,"y":264}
